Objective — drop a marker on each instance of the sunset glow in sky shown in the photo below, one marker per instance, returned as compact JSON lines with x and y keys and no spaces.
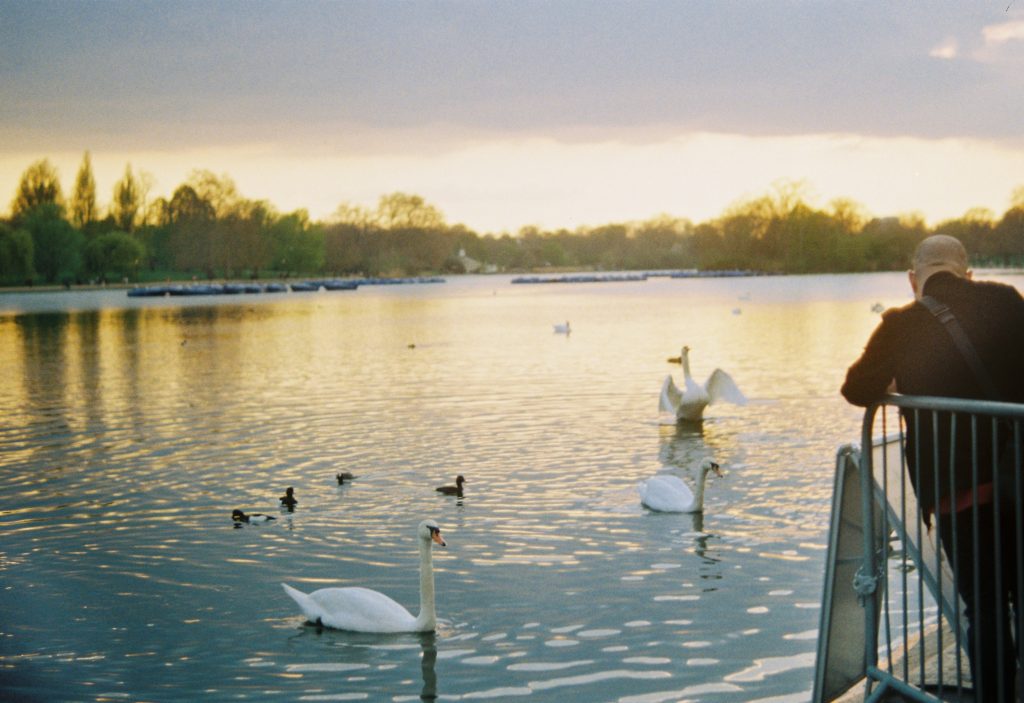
{"x":509,"y":113}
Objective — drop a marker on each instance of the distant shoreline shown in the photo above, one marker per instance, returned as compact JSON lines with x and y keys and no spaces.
{"x":555,"y":272}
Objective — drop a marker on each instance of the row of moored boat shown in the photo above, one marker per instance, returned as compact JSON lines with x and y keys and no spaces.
{"x":182,"y":289}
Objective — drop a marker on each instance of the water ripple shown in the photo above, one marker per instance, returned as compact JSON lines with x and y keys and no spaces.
{"x":133,"y":432}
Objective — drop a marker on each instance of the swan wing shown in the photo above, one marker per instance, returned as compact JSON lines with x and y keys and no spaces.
{"x":720,"y":386}
{"x":670,"y":397}
{"x":666,"y":493}
{"x":356,"y":609}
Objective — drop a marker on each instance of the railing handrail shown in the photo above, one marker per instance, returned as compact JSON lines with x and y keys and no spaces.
{"x":928,"y":402}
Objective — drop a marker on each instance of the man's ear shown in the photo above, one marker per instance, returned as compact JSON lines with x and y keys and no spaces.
{"x":912,"y":277}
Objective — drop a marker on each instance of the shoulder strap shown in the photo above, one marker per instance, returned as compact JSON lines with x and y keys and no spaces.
{"x":944,"y":315}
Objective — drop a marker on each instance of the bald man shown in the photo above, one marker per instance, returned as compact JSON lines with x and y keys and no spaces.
{"x":912,"y":353}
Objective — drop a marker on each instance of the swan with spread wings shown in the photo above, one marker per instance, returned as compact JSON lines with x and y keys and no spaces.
{"x":687,"y":404}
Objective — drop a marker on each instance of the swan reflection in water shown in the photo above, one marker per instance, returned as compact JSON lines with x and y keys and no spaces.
{"x":428,"y":659}
{"x":428,"y":653}
{"x":700,"y":544}
{"x":683,"y":446}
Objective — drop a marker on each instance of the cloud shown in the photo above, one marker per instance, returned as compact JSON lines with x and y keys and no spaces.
{"x":174,"y":72}
{"x":997,"y":34}
{"x":354,"y":99}
{"x":948,"y":49}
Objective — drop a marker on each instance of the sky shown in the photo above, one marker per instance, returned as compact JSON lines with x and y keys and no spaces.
{"x":504,"y":114}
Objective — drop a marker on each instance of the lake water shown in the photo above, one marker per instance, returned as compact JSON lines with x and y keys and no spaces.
{"x":132,"y":427}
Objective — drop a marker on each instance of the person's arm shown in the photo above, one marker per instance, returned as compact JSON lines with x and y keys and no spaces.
{"x":873,"y":375}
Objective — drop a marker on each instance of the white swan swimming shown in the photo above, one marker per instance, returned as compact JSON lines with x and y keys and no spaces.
{"x":563,"y":329}
{"x":365,"y":610}
{"x":688,"y":404}
{"x":667,"y":493}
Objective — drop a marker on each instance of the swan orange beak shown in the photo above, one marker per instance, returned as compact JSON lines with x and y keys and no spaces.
{"x":716,"y":469}
{"x":435,"y":535}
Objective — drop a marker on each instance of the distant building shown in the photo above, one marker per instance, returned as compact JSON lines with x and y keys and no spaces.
{"x":471,"y":265}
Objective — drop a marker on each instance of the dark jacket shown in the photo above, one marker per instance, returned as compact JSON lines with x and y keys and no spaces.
{"x":916,"y":350}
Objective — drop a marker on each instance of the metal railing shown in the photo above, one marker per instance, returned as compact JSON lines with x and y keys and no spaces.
{"x":893,"y":617}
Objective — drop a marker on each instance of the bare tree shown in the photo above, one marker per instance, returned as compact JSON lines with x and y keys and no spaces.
{"x":218,"y":191}
{"x":1017,"y":199}
{"x":400,"y":211}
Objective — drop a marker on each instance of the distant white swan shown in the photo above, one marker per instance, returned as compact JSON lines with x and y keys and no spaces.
{"x":688,"y":404}
{"x":364,"y":610}
{"x":669,"y":494}
{"x":563,"y":329}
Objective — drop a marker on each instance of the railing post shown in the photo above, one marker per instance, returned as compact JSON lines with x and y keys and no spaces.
{"x":867,"y":582}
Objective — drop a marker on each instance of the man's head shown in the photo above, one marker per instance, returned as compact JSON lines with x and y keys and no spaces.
{"x":937,"y":253}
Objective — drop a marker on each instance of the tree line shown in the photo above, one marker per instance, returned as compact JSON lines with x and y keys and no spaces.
{"x":206,"y":229}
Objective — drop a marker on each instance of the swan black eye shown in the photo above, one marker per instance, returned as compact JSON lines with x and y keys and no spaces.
{"x":434,"y":530}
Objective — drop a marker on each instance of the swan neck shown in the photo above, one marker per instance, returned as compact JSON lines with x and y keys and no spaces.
{"x":698,"y":495}
{"x":685,"y":358}
{"x":427,"y":618}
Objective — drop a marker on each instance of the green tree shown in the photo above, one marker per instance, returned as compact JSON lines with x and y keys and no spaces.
{"x":506,"y":251}
{"x":191,"y":221}
{"x":708,"y":247}
{"x":662,"y":242}
{"x":246,"y":245}
{"x":129,"y":199}
{"x":39,"y":185}
{"x":155,"y":235}
{"x":114,"y":252}
{"x":974,"y":230}
{"x":889,"y":242}
{"x":1009,"y":234}
{"x":347,"y":249}
{"x":297,"y":246}
{"x":413,"y":250}
{"x":56,"y":244}
{"x":83,"y":199}
{"x":16,"y":255}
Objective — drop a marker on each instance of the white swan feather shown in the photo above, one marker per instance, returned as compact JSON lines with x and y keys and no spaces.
{"x":688,"y":404}
{"x":364,"y":610}
{"x":667,"y":493}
